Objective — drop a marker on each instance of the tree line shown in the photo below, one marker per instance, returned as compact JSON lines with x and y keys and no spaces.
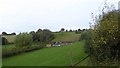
{"x":42,"y":36}
{"x":78,"y":31}
{"x":4,"y":33}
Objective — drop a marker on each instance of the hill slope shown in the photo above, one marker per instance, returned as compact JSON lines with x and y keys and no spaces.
{"x":66,"y":36}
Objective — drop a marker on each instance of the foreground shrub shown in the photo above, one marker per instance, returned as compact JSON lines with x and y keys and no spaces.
{"x":23,"y":39}
{"x":105,"y":40}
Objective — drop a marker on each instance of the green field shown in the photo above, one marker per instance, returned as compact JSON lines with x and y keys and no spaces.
{"x":55,"y":56}
{"x":66,"y":36}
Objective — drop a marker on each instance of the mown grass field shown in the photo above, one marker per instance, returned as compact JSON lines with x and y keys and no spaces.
{"x":66,"y":36}
{"x":56,"y":56}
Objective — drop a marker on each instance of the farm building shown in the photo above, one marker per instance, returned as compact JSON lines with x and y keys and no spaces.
{"x":59,"y":43}
{"x":66,"y":42}
{"x":0,"y":40}
{"x":48,"y":45}
{"x":56,"y":44}
{"x":9,"y":38}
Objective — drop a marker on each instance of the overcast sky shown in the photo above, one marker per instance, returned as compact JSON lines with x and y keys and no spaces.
{"x":28,"y":15}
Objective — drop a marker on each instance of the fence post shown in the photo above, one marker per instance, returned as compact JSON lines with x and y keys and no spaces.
{"x":71,"y":60}
{"x":0,"y":51}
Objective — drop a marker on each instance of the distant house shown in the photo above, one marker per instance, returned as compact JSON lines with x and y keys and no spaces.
{"x":59,"y":43}
{"x":56,"y":44}
{"x":66,"y":42}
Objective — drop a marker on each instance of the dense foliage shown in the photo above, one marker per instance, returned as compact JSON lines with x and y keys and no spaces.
{"x":106,"y":38}
{"x":23,"y":39}
{"x":87,"y":36}
{"x":45,"y":35}
{"x":4,"y":33}
{"x":102,"y":42}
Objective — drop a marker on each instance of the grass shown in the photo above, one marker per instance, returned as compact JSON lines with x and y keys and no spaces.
{"x":88,"y":62}
{"x":8,"y":47}
{"x":56,"y":56}
{"x":66,"y":36}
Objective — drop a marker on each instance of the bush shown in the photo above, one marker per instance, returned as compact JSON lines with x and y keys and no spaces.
{"x":23,"y":39}
{"x":40,"y":35}
{"x":87,"y":36}
{"x":4,"y":33}
{"x":83,"y":36}
{"x":105,"y":41}
{"x":11,"y":52}
{"x":45,"y":36}
{"x":16,"y":51}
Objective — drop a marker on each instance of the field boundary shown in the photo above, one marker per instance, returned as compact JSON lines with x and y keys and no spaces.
{"x":81,"y":60}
